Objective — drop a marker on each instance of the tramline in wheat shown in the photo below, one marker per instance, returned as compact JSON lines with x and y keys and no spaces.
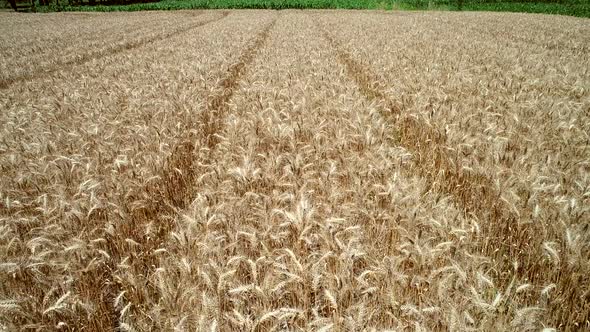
{"x":288,"y":170}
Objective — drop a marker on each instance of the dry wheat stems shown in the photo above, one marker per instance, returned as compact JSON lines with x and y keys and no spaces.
{"x":315,"y":171}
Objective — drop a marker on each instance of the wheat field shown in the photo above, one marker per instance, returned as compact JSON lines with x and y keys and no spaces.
{"x":294,"y":171}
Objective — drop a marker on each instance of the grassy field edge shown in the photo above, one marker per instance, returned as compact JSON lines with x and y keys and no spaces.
{"x":572,"y":9}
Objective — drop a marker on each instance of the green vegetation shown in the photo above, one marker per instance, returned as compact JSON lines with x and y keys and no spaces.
{"x":238,"y":4}
{"x":579,"y":8}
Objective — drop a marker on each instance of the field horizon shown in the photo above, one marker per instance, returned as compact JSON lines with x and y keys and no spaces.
{"x":577,"y":8}
{"x":258,"y":170}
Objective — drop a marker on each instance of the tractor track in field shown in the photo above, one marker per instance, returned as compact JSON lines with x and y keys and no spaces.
{"x":170,"y":191}
{"x":209,"y":123}
{"x":84,"y":58}
{"x":474,"y":192}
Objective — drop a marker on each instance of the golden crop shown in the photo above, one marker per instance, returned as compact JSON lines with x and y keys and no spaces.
{"x":294,"y":170}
